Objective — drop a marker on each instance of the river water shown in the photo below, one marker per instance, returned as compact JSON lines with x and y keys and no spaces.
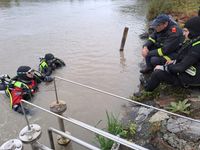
{"x":86,"y":34}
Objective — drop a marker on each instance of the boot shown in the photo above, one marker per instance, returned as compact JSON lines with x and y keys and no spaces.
{"x":143,"y":95}
{"x":143,"y":80}
{"x":48,"y":79}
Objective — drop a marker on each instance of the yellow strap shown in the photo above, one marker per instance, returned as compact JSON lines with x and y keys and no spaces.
{"x":196,"y":43}
{"x":152,"y":40}
{"x":160,"y":53}
{"x":167,"y":58}
{"x":10,"y":96}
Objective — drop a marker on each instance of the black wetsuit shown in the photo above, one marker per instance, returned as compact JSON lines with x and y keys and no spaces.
{"x":175,"y":74}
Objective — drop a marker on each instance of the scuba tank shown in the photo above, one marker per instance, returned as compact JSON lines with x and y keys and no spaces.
{"x":4,"y":83}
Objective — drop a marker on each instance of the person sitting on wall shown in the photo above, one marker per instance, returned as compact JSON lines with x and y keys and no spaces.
{"x":50,"y":63}
{"x":162,"y":44}
{"x":185,"y":70}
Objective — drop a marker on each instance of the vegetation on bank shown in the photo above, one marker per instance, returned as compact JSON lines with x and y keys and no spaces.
{"x":115,"y":127}
{"x":179,"y":9}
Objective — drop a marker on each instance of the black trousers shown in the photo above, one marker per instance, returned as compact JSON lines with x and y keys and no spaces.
{"x":152,"y":61}
{"x":160,"y":76}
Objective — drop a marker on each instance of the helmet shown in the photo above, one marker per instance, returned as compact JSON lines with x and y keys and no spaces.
{"x":49,"y":56}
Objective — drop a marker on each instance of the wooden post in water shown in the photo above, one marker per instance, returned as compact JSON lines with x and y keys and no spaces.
{"x":124,"y":39}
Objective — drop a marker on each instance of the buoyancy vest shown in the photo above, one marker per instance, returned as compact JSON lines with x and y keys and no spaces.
{"x":18,"y":90}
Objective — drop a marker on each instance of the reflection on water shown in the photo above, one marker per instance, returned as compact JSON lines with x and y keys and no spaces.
{"x":122,"y":60}
{"x":9,"y":3}
{"x":86,"y":34}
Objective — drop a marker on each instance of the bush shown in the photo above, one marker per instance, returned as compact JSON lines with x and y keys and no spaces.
{"x":184,"y":7}
{"x":116,"y":128}
{"x":180,"y":107}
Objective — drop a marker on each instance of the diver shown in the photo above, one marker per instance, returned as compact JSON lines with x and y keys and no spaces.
{"x":24,"y":86}
{"x":50,"y":63}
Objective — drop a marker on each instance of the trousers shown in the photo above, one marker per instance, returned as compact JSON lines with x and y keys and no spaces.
{"x":160,"y":76}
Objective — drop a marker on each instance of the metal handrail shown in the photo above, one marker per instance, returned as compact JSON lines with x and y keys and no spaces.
{"x":91,"y":128}
{"x":63,"y":134}
{"x":129,"y":100}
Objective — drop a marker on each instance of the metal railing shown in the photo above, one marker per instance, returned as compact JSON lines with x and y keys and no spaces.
{"x":96,"y":130}
{"x":91,"y":128}
{"x":76,"y":140}
{"x":126,"y":99}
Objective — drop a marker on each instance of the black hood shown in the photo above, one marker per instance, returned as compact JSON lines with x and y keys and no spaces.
{"x":21,"y":73}
{"x":193,"y":25}
{"x":49,"y":56}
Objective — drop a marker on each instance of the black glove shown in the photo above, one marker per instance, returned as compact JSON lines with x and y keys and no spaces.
{"x":48,"y":79}
{"x":18,"y":109}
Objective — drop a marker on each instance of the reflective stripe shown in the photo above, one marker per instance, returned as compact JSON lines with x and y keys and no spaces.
{"x":152,"y":40}
{"x":196,"y":43}
{"x":20,"y":84}
{"x":191,"y":71}
{"x":167,"y":58}
{"x":160,"y":53}
{"x":43,"y":65}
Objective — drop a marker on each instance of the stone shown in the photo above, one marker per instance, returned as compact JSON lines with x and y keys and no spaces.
{"x":178,"y":125}
{"x":188,"y":147}
{"x":188,"y":130}
{"x":174,"y":141}
{"x":161,"y":145}
{"x":195,"y":102}
{"x":143,"y":114}
{"x":159,"y":116}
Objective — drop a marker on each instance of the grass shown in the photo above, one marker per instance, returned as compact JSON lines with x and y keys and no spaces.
{"x":181,"y":107}
{"x":115,"y":127}
{"x":180,"y":7}
{"x":177,"y":93}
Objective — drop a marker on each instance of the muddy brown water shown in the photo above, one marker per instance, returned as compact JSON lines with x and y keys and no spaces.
{"x":86,"y":34}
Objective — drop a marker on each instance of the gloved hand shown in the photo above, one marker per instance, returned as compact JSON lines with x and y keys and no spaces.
{"x":48,"y":79}
{"x":18,"y":109}
{"x":35,"y":88}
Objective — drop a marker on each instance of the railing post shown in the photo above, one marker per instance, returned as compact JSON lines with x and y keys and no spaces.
{"x":123,"y":41}
{"x":12,"y":144}
{"x":59,"y":107}
{"x":30,"y":134}
{"x":51,"y":139}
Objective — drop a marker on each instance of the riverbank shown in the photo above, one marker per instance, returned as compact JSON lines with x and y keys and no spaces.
{"x":180,"y":10}
{"x":157,"y":129}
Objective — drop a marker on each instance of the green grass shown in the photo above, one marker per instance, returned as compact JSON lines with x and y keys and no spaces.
{"x":181,"y":107}
{"x":114,"y":127}
{"x":177,"y":93}
{"x":181,"y":7}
